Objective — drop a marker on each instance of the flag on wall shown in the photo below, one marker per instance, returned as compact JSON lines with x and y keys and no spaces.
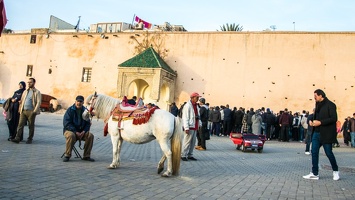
{"x":146,"y":24}
{"x":3,"y":19}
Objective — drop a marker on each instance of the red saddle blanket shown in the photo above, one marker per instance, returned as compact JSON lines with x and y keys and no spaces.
{"x":137,"y":115}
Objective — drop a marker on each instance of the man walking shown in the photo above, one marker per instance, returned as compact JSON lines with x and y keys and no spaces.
{"x":29,"y":108}
{"x":190,"y":120}
{"x":324,"y":133}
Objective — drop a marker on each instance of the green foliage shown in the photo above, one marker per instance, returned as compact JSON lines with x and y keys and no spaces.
{"x":231,"y":27}
{"x":7,"y":30}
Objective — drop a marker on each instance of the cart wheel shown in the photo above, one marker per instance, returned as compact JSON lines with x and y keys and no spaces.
{"x":59,"y":107}
{"x":243,"y":147}
{"x":238,"y":147}
{"x":51,"y":109}
{"x":260,"y":150}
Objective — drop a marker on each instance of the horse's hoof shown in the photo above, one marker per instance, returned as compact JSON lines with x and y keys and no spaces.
{"x":111,"y":167}
{"x":160,"y":169}
{"x":166,"y":174}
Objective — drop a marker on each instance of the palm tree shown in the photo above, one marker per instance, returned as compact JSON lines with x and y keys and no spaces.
{"x":231,"y":27}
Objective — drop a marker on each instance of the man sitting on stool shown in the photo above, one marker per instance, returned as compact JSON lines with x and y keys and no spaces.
{"x":76,"y":128}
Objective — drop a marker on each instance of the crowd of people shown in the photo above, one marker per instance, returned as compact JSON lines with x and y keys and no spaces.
{"x":283,"y":126}
{"x":320,"y":128}
{"x":200,"y":121}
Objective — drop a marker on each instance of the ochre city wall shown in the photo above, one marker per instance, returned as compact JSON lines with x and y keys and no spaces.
{"x":248,"y":69}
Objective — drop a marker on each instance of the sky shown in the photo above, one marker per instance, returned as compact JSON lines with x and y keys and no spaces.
{"x":194,"y":15}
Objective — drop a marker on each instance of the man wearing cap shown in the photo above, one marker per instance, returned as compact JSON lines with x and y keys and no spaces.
{"x":76,"y":128}
{"x":190,"y":120}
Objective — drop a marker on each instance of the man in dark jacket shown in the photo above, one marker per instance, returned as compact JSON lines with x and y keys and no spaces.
{"x":174,"y":109}
{"x":249,"y":122}
{"x":239,"y":119}
{"x":324,"y":133}
{"x":227,"y":120}
{"x":202,"y":132}
{"x":284,"y":122}
{"x":76,"y":128}
{"x":269,"y":122}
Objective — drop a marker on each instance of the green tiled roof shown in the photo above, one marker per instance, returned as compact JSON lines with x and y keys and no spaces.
{"x":147,"y":59}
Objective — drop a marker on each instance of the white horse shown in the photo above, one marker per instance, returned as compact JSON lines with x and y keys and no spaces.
{"x":162,"y":126}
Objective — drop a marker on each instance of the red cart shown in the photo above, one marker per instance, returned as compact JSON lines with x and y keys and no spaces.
{"x":245,"y":141}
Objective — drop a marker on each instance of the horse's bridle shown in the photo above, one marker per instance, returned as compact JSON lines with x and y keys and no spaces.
{"x":91,"y":103}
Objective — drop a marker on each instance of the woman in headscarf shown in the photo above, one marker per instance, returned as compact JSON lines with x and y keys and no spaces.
{"x":13,"y":116}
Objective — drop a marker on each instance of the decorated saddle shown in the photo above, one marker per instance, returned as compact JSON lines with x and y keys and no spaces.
{"x":138,"y":115}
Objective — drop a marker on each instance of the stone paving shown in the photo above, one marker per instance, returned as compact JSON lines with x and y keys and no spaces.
{"x":36,"y":171}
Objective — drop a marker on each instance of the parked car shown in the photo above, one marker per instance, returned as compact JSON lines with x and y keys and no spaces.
{"x":245,"y":141}
{"x":49,"y":103}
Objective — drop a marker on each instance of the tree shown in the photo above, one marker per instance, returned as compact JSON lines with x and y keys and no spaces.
{"x":7,"y":30}
{"x":146,"y":39}
{"x":231,"y":27}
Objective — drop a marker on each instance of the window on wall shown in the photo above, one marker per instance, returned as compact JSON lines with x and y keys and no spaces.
{"x":86,"y":75}
{"x":29,"y":70}
{"x":33,"y":39}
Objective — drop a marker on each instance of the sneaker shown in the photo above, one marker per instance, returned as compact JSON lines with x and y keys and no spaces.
{"x":311,"y":176}
{"x":184,"y":159}
{"x":198,"y":147}
{"x":307,"y":153}
{"x":29,"y":142}
{"x":65,"y":159}
{"x":336,"y":175}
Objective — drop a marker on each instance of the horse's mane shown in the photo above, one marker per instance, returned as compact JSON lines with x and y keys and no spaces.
{"x":103,"y":105}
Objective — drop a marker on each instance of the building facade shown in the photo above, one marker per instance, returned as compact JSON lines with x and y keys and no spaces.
{"x":249,"y":69}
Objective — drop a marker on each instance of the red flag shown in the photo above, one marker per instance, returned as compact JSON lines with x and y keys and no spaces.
{"x":146,"y":24}
{"x":3,"y":19}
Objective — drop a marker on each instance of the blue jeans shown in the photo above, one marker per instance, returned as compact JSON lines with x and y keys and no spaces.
{"x":352,"y":139}
{"x":315,"y":153}
{"x":216,"y":128}
{"x":301,"y":136}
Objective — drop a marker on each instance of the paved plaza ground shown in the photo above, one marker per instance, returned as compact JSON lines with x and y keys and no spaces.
{"x":36,"y":171}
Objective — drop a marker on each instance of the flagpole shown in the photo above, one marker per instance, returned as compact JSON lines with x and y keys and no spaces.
{"x":133,"y":21}
{"x":77,"y":25}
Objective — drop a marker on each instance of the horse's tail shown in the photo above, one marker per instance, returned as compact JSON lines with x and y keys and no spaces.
{"x":176,"y":146}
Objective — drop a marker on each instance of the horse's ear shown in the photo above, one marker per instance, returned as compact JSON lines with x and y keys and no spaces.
{"x":95,"y":94}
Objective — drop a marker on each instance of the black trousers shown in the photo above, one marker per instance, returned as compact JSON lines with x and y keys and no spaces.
{"x":284,"y":133}
{"x":201,"y":140}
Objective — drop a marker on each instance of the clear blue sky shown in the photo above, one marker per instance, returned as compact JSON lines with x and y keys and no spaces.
{"x":194,"y":15}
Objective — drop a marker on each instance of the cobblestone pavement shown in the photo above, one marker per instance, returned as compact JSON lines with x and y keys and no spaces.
{"x":36,"y":171}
